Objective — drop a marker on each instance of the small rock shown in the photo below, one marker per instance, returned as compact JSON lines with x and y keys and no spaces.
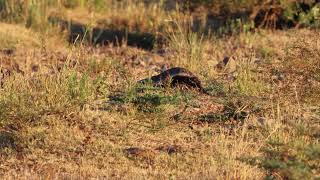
{"x":231,"y":66}
{"x":228,"y":64}
{"x":164,"y":67}
{"x":278,"y":76}
{"x":170,"y":149}
{"x":35,"y":68}
{"x":17,"y":69}
{"x":221,"y":65}
{"x":164,"y":53}
{"x":7,"y":51}
{"x":4,"y":73}
{"x":257,"y":61}
{"x":161,"y":51}
{"x":7,"y":140}
{"x":134,"y":151}
{"x":261,"y":121}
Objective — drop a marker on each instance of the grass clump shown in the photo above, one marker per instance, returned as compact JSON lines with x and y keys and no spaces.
{"x":16,"y":37}
{"x":27,"y":100}
{"x":294,"y":157}
{"x":37,"y":15}
{"x":33,"y":13}
{"x":150,"y":99}
{"x":247,"y":81}
{"x":11,"y":10}
{"x":188,"y":45}
{"x":78,"y":89}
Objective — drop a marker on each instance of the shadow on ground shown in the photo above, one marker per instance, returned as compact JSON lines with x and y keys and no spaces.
{"x":100,"y":36}
{"x":7,"y":140}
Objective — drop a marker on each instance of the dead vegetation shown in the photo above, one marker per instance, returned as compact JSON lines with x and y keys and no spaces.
{"x":76,"y":111}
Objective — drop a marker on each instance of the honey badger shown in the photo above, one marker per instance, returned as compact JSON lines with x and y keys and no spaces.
{"x":174,"y":77}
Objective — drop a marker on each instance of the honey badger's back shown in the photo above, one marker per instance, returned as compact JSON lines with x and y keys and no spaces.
{"x":177,"y":71}
{"x":166,"y":75}
{"x":176,"y":76}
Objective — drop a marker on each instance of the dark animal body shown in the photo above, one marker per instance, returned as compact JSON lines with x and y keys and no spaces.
{"x":174,"y":77}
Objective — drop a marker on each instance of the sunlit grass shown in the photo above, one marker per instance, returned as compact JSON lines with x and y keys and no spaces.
{"x":72,"y":111}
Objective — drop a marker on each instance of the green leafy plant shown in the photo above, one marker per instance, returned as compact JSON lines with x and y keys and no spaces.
{"x":295,"y":13}
{"x":78,"y":88}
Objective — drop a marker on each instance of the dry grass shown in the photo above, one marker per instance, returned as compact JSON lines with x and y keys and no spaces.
{"x":73,"y":111}
{"x":13,"y":36}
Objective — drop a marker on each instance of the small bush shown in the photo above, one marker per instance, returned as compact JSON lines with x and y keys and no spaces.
{"x":303,"y":14}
